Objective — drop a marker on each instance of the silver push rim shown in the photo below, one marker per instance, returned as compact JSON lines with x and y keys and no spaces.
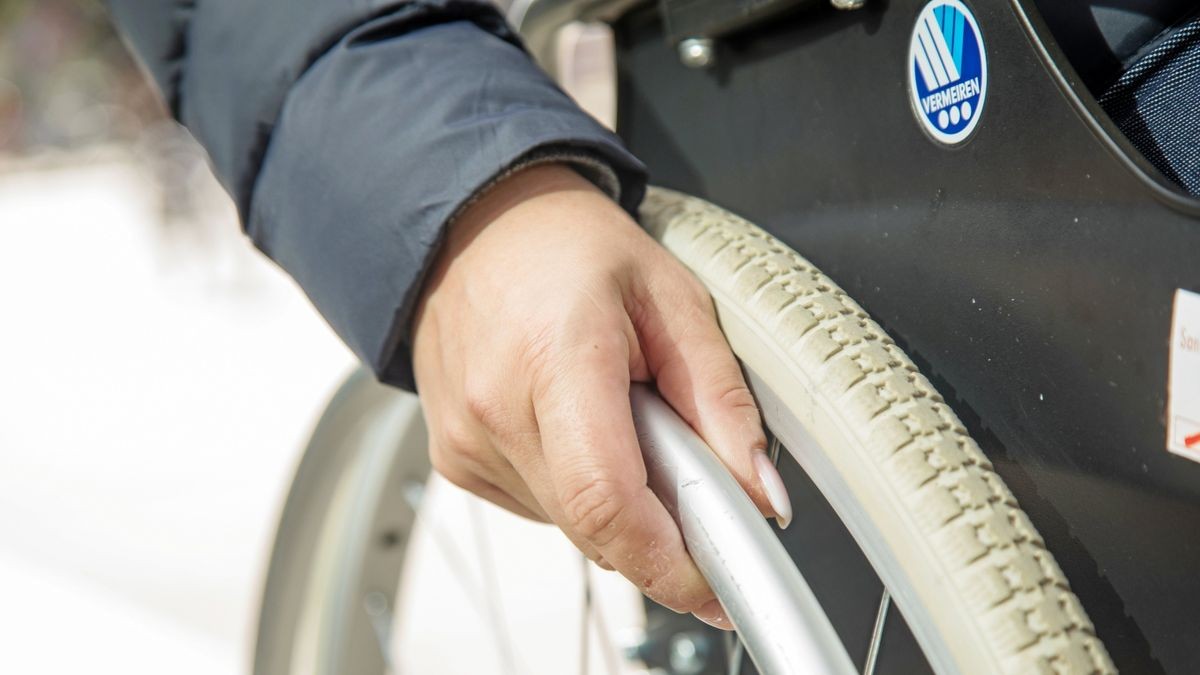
{"x":328,"y":606}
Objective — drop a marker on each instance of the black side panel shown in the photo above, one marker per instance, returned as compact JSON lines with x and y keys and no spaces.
{"x":713,"y":18}
{"x":1029,"y":272}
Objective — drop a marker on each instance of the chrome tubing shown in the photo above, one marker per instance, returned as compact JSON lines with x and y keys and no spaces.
{"x":782,"y":625}
{"x":538,"y":22}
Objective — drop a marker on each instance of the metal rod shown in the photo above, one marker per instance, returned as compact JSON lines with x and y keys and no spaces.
{"x":736,"y":652}
{"x":780,"y":621}
{"x":585,"y":623}
{"x":885,"y":601}
{"x":491,"y":583}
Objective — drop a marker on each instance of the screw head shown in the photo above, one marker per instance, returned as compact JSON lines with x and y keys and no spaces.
{"x":697,"y":52}
{"x":376,"y":603}
{"x":634,"y":644}
{"x":413,"y":492}
{"x":688,"y":653}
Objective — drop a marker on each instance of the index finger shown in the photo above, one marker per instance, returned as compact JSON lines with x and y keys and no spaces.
{"x":599,"y":478}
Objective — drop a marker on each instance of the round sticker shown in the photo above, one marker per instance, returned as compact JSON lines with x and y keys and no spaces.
{"x":947,"y":76}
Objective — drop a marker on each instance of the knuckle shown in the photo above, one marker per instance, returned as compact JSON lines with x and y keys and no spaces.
{"x":443,"y":460}
{"x":581,"y":361}
{"x":482,"y":403}
{"x":437,"y":448}
{"x":608,"y":342}
{"x":455,"y":473}
{"x":589,"y":328}
{"x":538,"y":358}
{"x":686,"y":289}
{"x":535,"y":344}
{"x":595,"y":510}
{"x":457,"y":438}
{"x":735,"y":395}
{"x":457,"y":451}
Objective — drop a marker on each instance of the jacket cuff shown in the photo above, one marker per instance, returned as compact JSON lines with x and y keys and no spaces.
{"x":382,"y":142}
{"x":593,"y":169}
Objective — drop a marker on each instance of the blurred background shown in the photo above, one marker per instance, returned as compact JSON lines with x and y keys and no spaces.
{"x":158,"y":377}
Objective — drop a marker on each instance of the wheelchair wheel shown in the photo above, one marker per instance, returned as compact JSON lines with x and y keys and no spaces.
{"x":965,"y":565}
{"x":938,"y":529}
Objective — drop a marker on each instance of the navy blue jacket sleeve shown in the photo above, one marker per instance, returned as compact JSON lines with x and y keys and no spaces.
{"x":350,"y":132}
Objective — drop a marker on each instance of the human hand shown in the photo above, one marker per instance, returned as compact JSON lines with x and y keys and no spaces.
{"x":546,"y":300}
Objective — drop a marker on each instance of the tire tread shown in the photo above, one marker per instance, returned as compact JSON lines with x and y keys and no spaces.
{"x":985,"y":544}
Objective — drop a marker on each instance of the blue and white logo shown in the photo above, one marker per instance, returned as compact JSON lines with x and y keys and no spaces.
{"x":947,"y":75}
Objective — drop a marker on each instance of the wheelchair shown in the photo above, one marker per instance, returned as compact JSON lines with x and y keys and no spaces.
{"x":952,"y":243}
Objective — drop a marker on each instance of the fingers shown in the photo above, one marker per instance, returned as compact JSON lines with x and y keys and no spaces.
{"x":494,"y":494}
{"x":597,"y":480}
{"x":697,"y":374}
{"x":463,"y":454}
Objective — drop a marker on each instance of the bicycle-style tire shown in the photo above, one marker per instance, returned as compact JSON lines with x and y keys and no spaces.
{"x":965,"y":564}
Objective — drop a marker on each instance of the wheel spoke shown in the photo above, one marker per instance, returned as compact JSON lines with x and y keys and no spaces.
{"x":584,"y":622}
{"x":414,"y":492}
{"x":596,"y":611}
{"x":491,"y":589}
{"x":885,"y":602}
{"x":379,"y":613}
{"x":458,"y":562}
{"x":736,"y":651}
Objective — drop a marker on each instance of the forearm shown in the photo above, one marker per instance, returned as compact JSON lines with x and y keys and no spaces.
{"x":348,"y":156}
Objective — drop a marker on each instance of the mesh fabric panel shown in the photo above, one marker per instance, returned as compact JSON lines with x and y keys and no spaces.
{"x":1156,"y":103}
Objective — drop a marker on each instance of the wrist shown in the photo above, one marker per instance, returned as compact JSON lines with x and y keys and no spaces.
{"x":524,"y":187}
{"x":508,"y":192}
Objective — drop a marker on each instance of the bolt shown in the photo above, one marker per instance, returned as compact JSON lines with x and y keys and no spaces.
{"x":634,"y":644}
{"x":413,"y":492}
{"x":697,"y":52}
{"x":376,"y":603}
{"x":848,"y":4}
{"x":689,"y":653}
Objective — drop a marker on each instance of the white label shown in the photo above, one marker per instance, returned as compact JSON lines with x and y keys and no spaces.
{"x":1183,"y":385}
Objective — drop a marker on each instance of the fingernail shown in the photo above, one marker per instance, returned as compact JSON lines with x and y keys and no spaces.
{"x":776,"y":492}
{"x":713,"y":614}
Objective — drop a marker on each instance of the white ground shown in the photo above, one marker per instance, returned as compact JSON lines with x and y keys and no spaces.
{"x":446,"y":623}
{"x":157,"y":381}
{"x":155,"y":388}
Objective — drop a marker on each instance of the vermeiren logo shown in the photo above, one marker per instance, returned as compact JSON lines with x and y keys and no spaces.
{"x":947,"y":77}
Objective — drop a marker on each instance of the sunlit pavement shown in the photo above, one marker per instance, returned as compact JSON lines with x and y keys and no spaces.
{"x":471,"y":563}
{"x":157,"y":381}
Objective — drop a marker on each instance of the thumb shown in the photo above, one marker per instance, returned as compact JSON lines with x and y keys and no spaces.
{"x":696,"y":372}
